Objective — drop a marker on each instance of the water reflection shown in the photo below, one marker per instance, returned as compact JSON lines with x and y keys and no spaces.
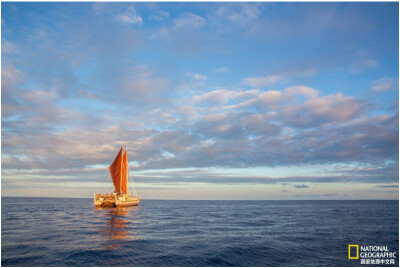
{"x":117,"y":221}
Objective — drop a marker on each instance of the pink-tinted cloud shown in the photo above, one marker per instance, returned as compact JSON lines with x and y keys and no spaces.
{"x":383,"y":84}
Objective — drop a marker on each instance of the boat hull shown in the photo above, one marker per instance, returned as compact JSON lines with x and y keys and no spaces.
{"x":128,"y":204}
{"x":114,"y":200}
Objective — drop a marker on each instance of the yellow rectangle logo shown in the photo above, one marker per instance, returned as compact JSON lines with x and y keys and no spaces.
{"x":353,"y":257}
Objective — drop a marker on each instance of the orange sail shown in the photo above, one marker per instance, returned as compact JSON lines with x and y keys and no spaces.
{"x":116,"y":171}
{"x":119,"y":172}
{"x":124,"y":179}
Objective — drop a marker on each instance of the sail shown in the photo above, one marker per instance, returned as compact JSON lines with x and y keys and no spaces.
{"x":116,"y":171}
{"x":124,"y":179}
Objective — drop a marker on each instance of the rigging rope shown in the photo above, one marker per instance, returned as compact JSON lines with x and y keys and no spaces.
{"x":132,"y":184}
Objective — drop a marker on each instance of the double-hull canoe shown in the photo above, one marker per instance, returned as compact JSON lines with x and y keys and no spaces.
{"x":115,"y":200}
{"x":119,"y":176}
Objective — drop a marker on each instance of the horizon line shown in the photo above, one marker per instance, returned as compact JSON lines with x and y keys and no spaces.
{"x":216,"y":199}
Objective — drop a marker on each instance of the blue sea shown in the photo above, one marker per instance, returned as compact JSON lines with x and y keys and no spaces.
{"x":71,"y":232}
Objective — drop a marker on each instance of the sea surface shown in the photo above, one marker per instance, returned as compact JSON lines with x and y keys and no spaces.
{"x":71,"y":232}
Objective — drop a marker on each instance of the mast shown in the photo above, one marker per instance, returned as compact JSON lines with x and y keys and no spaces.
{"x":124,"y":184}
{"x":126,"y":170}
{"x":120,"y":173}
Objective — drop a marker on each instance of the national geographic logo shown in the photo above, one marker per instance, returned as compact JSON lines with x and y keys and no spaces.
{"x":372,"y":255}
{"x":353,"y":252}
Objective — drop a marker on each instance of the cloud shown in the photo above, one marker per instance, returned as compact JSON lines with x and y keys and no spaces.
{"x":159,"y":15}
{"x":238,"y":15}
{"x":56,"y":150}
{"x":8,"y":48}
{"x":283,"y":76}
{"x":265,"y":81}
{"x":221,"y":70}
{"x":171,"y":176}
{"x":387,"y":186}
{"x":337,"y":107}
{"x":196,"y":76}
{"x":272,"y":96}
{"x":193,"y":81}
{"x":223,"y":96}
{"x":129,"y":17}
{"x":301,"y":71}
{"x":301,"y":91}
{"x":233,"y":16}
{"x":325,"y":109}
{"x":141,"y":87}
{"x":189,"y":20}
{"x":255,"y":98}
{"x":255,"y":133}
{"x":363,"y":64}
{"x":99,"y":7}
{"x":301,"y":186}
{"x":162,"y":33}
{"x":9,"y":76}
{"x":383,"y":84}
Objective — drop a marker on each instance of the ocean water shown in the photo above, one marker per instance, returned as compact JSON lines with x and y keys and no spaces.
{"x":71,"y":232}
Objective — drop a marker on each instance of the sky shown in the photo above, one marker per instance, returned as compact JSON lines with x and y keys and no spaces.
{"x":217,"y":101}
